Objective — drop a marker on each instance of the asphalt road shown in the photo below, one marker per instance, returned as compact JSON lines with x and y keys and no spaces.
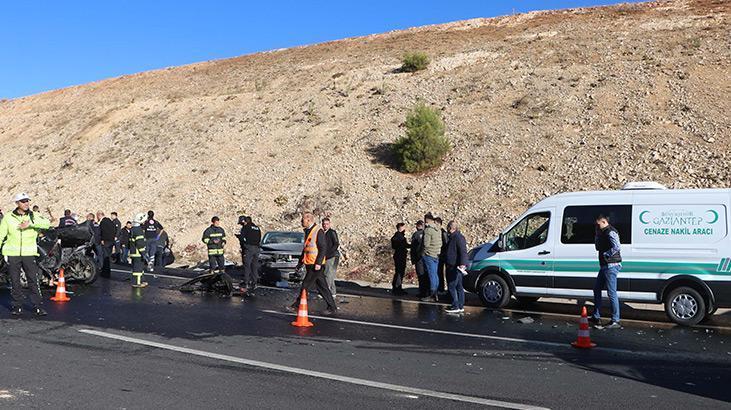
{"x":116,"y":347}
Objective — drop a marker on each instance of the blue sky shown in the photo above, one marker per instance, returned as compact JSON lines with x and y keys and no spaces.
{"x":49,"y":44}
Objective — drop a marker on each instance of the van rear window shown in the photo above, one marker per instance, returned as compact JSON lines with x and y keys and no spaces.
{"x":577,"y":224}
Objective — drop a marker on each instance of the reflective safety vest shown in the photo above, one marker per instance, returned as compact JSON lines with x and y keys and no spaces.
{"x":17,"y":242}
{"x":215,"y":239}
{"x":310,"y":251}
{"x":136,"y":242}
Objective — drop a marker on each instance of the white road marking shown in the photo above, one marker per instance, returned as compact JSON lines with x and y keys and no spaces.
{"x":305,"y":372}
{"x":436,"y":331}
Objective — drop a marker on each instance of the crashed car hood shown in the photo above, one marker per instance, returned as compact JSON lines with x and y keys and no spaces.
{"x":286,"y":248}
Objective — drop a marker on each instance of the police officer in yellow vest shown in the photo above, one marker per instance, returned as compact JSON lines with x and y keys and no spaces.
{"x":19,"y":231}
{"x":313,"y":259}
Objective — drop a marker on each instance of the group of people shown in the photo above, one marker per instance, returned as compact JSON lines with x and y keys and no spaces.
{"x":439,"y":256}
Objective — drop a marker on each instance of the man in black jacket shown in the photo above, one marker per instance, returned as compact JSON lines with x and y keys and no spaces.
{"x":333,"y":255}
{"x":312,"y":258}
{"x":107,"y":237}
{"x":250,"y":240}
{"x":118,"y":227}
{"x":400,"y":247}
{"x":124,"y":236}
{"x":442,"y":256}
{"x":417,"y":251}
{"x":455,"y":260}
{"x":66,"y":219}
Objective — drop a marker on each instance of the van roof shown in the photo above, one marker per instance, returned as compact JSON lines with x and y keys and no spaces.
{"x":634,"y":192}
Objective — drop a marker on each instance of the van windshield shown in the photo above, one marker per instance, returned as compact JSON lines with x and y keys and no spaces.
{"x":529,"y":232}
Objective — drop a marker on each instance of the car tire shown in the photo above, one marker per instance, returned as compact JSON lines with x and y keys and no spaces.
{"x":527,"y":300}
{"x":494,"y":291}
{"x":685,"y":306}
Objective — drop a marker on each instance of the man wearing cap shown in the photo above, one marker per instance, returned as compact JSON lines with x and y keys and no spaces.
{"x":19,"y":230}
{"x":250,"y":239}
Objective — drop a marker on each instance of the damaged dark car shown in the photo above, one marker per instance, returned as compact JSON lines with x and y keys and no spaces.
{"x":279,"y":256}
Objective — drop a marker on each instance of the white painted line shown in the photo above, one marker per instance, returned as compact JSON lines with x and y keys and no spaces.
{"x":436,"y":331}
{"x":313,"y":373}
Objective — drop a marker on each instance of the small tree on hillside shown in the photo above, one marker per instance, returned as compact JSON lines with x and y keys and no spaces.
{"x":414,"y":61}
{"x":424,"y":145}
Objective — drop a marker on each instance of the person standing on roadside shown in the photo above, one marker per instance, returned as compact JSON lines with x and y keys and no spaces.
{"x":117,"y":228}
{"x":456,"y":262}
{"x":416,"y":252}
{"x":333,"y":255}
{"x":215,"y":239}
{"x":313,"y":258}
{"x":441,"y":270}
{"x":19,"y":232}
{"x":124,"y":234}
{"x":98,"y":250}
{"x":251,"y":236}
{"x":137,"y":251}
{"x":400,"y":247}
{"x":607,"y":244}
{"x":432,"y":248}
{"x":66,"y":219}
{"x":107,"y":236}
{"x":152,"y":229}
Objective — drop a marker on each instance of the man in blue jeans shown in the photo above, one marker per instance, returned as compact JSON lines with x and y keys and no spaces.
{"x":455,"y":259}
{"x":607,"y":244}
{"x":431,"y":249}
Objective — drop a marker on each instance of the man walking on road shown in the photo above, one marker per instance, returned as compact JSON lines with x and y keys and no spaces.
{"x":417,"y":252}
{"x":333,"y":254}
{"x":313,"y":258}
{"x":400,"y":247}
{"x":19,"y":232}
{"x":432,"y":248}
{"x":250,"y":238}
{"x":455,"y":260}
{"x":607,"y":243}
{"x":107,"y":237}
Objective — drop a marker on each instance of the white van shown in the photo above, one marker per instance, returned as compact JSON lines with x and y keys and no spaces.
{"x":676,"y":250}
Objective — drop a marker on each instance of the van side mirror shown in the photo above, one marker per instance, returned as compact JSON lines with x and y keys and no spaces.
{"x":501,"y":241}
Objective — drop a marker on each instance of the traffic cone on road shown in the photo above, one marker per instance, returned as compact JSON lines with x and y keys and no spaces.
{"x":583,"y":341}
{"x":61,"y":295}
{"x":302,"y":319}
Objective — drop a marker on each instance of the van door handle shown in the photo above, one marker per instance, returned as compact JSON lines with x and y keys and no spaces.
{"x":544,"y":252}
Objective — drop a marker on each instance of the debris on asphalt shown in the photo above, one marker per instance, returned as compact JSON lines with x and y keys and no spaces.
{"x":526,"y":320}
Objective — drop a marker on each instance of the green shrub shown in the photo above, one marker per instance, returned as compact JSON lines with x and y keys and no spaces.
{"x":424,"y":145}
{"x":414,"y":61}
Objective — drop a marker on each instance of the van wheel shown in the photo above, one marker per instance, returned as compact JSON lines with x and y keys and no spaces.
{"x":685,"y":306}
{"x":494,"y":291}
{"x":527,"y":300}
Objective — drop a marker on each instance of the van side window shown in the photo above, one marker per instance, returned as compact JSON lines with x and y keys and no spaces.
{"x":529,"y":232}
{"x":577,"y":225}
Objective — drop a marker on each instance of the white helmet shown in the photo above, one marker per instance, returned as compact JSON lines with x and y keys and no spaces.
{"x":21,"y":196}
{"x":139,"y":218}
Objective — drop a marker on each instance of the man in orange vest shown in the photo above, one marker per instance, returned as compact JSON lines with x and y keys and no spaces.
{"x":313,"y":259}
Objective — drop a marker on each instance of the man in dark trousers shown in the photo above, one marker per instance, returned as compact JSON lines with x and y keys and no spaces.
{"x":441,"y":270}
{"x":250,"y":239}
{"x":118,"y":227}
{"x":400,"y":247}
{"x":137,"y":251}
{"x":455,"y":260}
{"x":607,"y":244}
{"x":107,"y":237}
{"x":417,"y":251}
{"x":313,"y":258}
{"x":333,"y":254}
{"x":215,"y":239}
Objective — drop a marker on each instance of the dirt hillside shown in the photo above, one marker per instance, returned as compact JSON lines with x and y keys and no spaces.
{"x":534,"y":104}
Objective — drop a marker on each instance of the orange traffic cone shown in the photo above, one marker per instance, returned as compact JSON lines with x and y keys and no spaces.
{"x":583,"y":341}
{"x":302,"y":320}
{"x":61,"y":295}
